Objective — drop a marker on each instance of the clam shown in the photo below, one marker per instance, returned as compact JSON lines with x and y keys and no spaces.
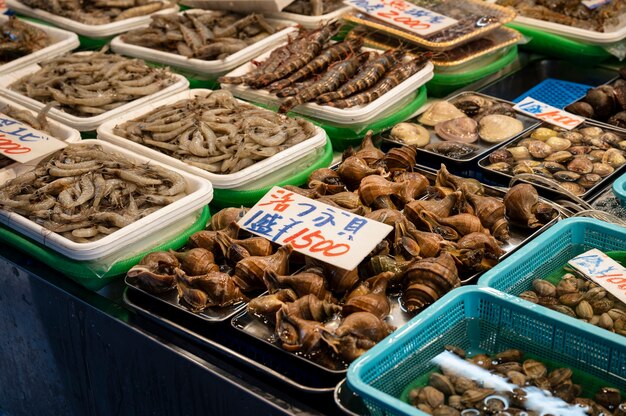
{"x":580,"y":150}
{"x":539,"y":149}
{"x":566,"y":176}
{"x":596,"y":155}
{"x":618,"y":119}
{"x":582,"y":109}
{"x":610,"y":138}
{"x":454,"y":150}
{"x":501,"y":155}
{"x":622,"y":145}
{"x":614,"y":157}
{"x":461,"y":129}
{"x":497,"y":108}
{"x":439,"y":112}
{"x":411,"y":134}
{"x":558,"y":143}
{"x":472,"y":104}
{"x":543,"y":134}
{"x":573,"y":136}
{"x":559,"y":157}
{"x":519,"y":152}
{"x":544,"y":288}
{"x":500,"y":167}
{"x":496,"y":128}
{"x":574,"y":188}
{"x":534,"y":369}
{"x":553,"y":167}
{"x":589,"y":180}
{"x":591,"y":132}
{"x":521,"y":168}
{"x":580,"y":164}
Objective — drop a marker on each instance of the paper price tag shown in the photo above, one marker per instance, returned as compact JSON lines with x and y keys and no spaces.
{"x":548,"y":113}
{"x":603,"y":270}
{"x":324,"y":232}
{"x":23,"y":143}
{"x":404,"y":14}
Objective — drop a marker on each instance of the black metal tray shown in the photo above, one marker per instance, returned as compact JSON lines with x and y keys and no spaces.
{"x":223,"y":340}
{"x":505,"y":178}
{"x":348,"y":401}
{"x":482,"y":147}
{"x":170,"y":299}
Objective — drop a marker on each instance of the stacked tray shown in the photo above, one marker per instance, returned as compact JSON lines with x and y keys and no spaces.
{"x":259,"y":174}
{"x":199,"y":69}
{"x":61,"y":41}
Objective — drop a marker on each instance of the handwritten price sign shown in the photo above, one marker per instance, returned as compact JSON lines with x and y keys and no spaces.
{"x":321,"y":231}
{"x":548,"y":113}
{"x":405,"y":15}
{"x":603,"y":270}
{"x":24,"y":144}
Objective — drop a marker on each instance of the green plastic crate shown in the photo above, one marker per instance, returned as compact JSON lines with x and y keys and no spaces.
{"x":483,"y":320}
{"x":444,"y":83}
{"x":80,"y":271}
{"x":556,"y":46}
{"x":223,"y":198}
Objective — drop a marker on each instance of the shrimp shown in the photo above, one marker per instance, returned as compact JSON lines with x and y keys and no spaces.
{"x":392,"y":79}
{"x":369,"y":75}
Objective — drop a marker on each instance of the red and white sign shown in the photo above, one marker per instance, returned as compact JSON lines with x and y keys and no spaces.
{"x":548,"y":113}
{"x":405,"y":15}
{"x":603,"y":270}
{"x":23,"y":143}
{"x":322,"y":231}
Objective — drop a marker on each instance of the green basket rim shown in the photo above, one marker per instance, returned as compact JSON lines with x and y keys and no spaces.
{"x":445,"y":79}
{"x":79,"y":271}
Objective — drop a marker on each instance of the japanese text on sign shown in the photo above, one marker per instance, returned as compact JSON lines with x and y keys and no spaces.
{"x":318,"y":230}
{"x":404,"y":14}
{"x":23,"y":143}
{"x":548,"y":113}
{"x":603,"y":270}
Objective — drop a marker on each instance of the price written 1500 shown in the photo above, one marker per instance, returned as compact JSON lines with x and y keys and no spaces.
{"x":304,"y":239}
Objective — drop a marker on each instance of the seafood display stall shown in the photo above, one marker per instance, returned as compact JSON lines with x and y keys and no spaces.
{"x":312,"y":207}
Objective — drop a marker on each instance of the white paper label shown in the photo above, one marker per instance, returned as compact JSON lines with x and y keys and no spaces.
{"x":594,"y":4}
{"x":324,"y":232}
{"x":23,"y":143}
{"x":548,"y":113}
{"x":603,"y":270}
{"x":405,"y":15}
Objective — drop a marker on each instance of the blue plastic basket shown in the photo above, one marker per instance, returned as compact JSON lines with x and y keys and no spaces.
{"x":555,"y":92}
{"x":619,"y":189}
{"x":551,"y":251}
{"x":482,"y":320}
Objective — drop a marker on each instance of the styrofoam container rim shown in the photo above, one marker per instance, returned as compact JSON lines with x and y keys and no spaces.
{"x":226,"y":181}
{"x":200,"y":194}
{"x":213,"y":67}
{"x":81,"y":123}
{"x":340,"y":116}
{"x":63,"y":41}
{"x":587,"y":36}
{"x":58,"y":130}
{"x":310,"y":22}
{"x":92,"y":31}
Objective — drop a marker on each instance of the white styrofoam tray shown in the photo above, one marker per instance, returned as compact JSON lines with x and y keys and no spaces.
{"x":215,"y":67}
{"x":237,"y":180}
{"x":58,"y":130}
{"x":340,"y":116}
{"x":61,"y":41}
{"x":92,"y":31}
{"x":81,"y":123}
{"x":200,"y":193}
{"x":311,"y":22}
{"x":584,"y":35}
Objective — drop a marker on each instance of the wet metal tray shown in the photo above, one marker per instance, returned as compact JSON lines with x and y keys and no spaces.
{"x":528,"y":123}
{"x":247,"y":324}
{"x":170,"y":299}
{"x":223,"y":340}
{"x":506,"y":178}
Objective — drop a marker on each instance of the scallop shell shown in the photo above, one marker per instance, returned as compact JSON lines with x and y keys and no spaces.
{"x":495,"y":128}
{"x":461,"y":129}
{"x":439,"y":112}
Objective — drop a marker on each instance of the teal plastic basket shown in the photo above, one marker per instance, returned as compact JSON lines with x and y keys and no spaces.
{"x":619,"y":189}
{"x":483,"y":320}
{"x":551,"y":251}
